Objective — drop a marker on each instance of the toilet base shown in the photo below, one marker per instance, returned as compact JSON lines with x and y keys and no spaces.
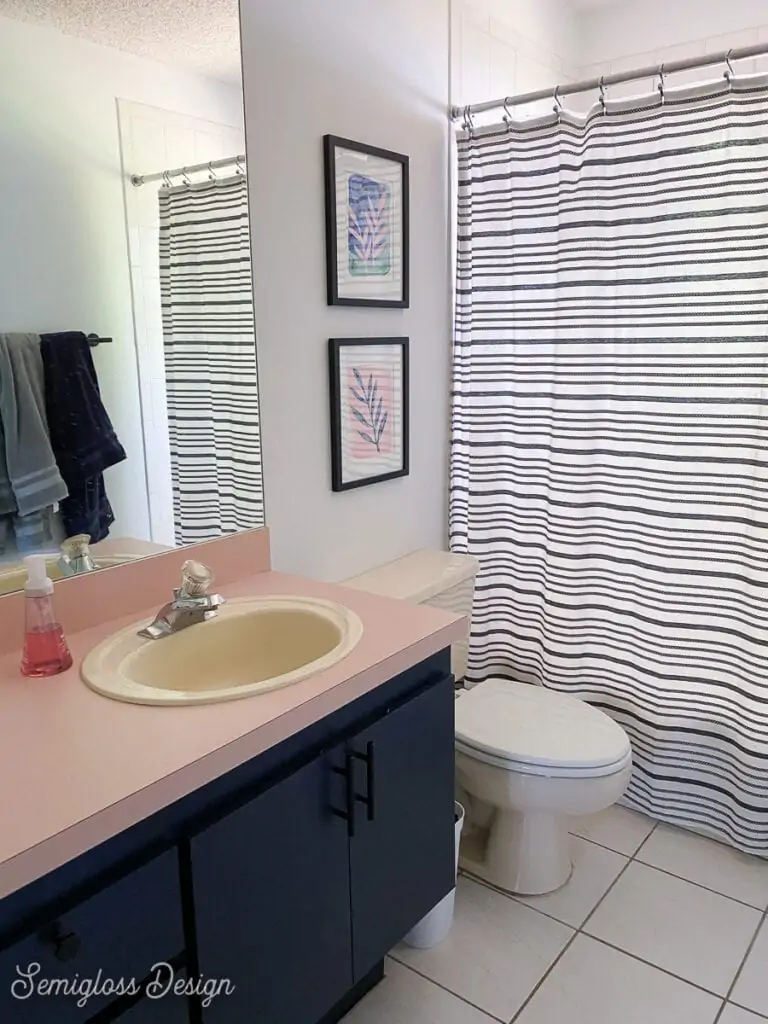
{"x":524,"y":853}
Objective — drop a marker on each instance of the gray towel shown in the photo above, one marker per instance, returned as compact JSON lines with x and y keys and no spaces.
{"x":30,"y":482}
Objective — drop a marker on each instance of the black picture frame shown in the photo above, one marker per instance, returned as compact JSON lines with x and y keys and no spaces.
{"x":330,"y":144}
{"x":335,"y":349}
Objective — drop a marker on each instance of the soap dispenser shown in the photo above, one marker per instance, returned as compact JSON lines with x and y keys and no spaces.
{"x":45,"y":650}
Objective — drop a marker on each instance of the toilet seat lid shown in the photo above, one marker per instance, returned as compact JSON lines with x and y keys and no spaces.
{"x":528,"y":724}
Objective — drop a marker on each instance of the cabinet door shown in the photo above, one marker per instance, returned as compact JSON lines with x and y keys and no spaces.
{"x":116,"y":935}
{"x":170,"y":1009}
{"x":402,"y":850}
{"x":271,"y":891}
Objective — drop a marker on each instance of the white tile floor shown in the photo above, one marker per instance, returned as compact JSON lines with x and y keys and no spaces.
{"x":656,"y":926}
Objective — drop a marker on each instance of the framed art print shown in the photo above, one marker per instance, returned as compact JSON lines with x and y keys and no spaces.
{"x":369,"y":410}
{"x":366,"y":224}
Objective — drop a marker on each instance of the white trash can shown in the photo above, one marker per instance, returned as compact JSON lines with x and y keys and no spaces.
{"x":432,"y":929}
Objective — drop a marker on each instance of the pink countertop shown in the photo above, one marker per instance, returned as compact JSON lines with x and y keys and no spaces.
{"x":77,"y":768}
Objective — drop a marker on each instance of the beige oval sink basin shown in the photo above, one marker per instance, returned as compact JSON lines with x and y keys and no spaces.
{"x":251,"y":646}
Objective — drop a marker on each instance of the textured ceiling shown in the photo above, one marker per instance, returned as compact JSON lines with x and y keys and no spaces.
{"x":588,"y":5}
{"x":198,"y":35}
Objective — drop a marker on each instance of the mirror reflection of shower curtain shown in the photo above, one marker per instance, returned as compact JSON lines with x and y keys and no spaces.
{"x":210,"y":359}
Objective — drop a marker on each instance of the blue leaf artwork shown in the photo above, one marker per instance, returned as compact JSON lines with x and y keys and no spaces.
{"x":367,"y":408}
{"x":369,"y":235}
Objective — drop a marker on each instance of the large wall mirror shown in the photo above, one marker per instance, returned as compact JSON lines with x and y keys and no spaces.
{"x":128,"y":383}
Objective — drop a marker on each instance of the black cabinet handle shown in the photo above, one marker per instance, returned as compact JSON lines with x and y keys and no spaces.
{"x":348,"y":771}
{"x":66,"y":945}
{"x":370,"y":779}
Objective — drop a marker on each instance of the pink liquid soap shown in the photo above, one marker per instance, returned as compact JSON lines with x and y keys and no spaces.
{"x":45,"y":652}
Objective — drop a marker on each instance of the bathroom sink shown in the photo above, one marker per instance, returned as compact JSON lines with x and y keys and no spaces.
{"x":251,"y":646}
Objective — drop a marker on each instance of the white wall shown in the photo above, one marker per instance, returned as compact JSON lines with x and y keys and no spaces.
{"x":507,"y":47}
{"x":623,"y":36}
{"x":63,"y":244}
{"x":378,"y":73}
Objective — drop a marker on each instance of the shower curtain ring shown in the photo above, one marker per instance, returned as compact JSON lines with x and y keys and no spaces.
{"x":729,"y":74}
{"x":662,"y":84}
{"x":603,"y":97}
{"x":185,"y":177}
{"x":507,"y":119}
{"x":558,"y":108}
{"x":211,"y":172}
{"x":468,"y":125}
{"x":167,"y":180}
{"x":239,"y":169}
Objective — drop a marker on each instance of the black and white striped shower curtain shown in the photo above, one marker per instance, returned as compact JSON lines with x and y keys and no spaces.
{"x":210,"y":359}
{"x":610,"y":432}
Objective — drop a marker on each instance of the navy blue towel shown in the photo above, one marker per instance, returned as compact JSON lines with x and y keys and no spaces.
{"x":82,"y":436}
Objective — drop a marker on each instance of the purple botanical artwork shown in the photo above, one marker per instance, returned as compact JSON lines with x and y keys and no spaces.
{"x":369,"y":236}
{"x":370,"y":401}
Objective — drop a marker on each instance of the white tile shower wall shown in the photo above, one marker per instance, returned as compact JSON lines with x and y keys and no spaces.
{"x":64,"y":254}
{"x":623,"y":36}
{"x":506,"y":47}
{"x":153,"y":139}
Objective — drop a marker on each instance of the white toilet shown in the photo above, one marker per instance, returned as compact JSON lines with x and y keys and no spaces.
{"x":527,"y":758}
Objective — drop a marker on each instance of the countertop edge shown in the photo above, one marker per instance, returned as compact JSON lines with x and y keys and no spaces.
{"x":31,"y":864}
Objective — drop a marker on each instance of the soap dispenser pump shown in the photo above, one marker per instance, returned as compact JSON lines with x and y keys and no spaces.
{"x":45,"y":650}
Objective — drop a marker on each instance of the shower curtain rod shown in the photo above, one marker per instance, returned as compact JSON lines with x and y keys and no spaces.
{"x":181,"y":172}
{"x":724,"y":57}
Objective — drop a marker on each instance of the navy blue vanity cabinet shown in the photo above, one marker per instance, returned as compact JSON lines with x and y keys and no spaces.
{"x":300,"y":893}
{"x":120,"y":932}
{"x":163,"y":1008}
{"x":284,"y":882}
{"x":401,"y":854}
{"x":271,"y":898}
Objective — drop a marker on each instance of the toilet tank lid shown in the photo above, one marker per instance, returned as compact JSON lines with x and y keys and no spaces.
{"x":532,"y":724}
{"x":416,"y":577}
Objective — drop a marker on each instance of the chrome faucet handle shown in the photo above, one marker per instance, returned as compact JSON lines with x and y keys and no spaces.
{"x":191,"y":603}
{"x":196,"y":578}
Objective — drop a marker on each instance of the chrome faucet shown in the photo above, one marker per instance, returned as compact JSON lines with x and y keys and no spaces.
{"x":191,"y":603}
{"x":76,"y":556}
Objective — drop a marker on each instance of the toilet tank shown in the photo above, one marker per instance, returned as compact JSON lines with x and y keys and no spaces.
{"x":438,"y":578}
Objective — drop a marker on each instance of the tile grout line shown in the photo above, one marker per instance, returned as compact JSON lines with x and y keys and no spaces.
{"x":569,"y":943}
{"x":544,"y":976}
{"x":648,"y":963}
{"x":686,"y":981}
{"x":665,"y":871}
{"x":715,"y":892}
{"x":634,"y":860}
{"x":438,"y":984}
{"x":580,"y":930}
{"x":518,"y":900}
{"x":726,"y":998}
{"x":741,"y":967}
